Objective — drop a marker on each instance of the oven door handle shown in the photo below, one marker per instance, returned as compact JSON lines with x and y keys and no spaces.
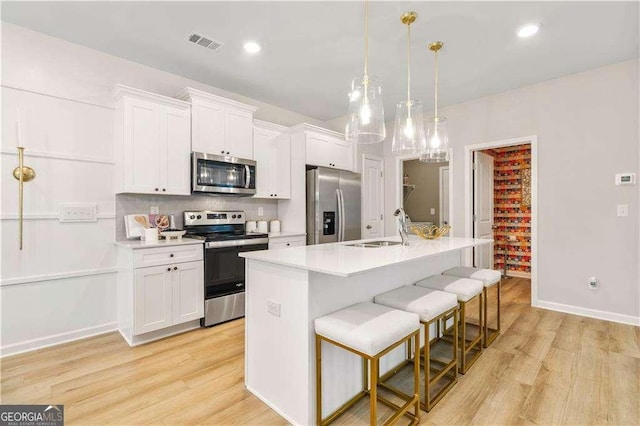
{"x":247,"y":176}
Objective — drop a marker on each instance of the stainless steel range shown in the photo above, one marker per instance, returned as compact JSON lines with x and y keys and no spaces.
{"x":225,"y":237}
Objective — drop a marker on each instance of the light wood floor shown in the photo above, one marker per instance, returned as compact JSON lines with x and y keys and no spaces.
{"x":546,"y":368}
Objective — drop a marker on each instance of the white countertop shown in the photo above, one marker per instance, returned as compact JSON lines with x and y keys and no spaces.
{"x":286,"y":234}
{"x":342,"y":260}
{"x":137,"y":244}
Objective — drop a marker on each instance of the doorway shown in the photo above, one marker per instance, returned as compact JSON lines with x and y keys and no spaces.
{"x":425,"y":192}
{"x":372,"y":196}
{"x":501,"y":204}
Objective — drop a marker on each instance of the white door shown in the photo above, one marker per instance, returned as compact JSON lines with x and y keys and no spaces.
{"x":372,"y":197}
{"x":444,"y":196}
{"x":141,"y":140}
{"x":318,"y":148}
{"x":342,"y":154}
{"x":483,"y":207}
{"x":188,"y":291}
{"x":282,"y":167}
{"x":263,"y":147}
{"x":176,"y":140}
{"x":152,"y":299}
{"x":238,"y":133}
{"x":207,"y":126}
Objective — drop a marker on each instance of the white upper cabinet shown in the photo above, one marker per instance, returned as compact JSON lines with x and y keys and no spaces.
{"x":220,"y":126}
{"x":152,"y":143}
{"x":326,"y":148}
{"x":272,"y":151}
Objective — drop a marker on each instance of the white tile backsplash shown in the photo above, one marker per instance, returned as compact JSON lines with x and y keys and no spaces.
{"x":177,"y":204}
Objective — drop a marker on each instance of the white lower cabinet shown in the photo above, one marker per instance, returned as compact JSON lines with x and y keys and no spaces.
{"x":287,"y":242}
{"x":158,"y":299}
{"x":167,"y":295}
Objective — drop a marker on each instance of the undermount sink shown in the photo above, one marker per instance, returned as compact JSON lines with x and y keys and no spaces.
{"x":372,"y":244}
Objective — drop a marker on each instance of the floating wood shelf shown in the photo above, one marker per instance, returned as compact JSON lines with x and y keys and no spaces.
{"x":511,"y":177}
{"x":513,"y":158}
{"x":498,"y":214}
{"x":517,"y":234}
{"x":507,"y":206}
{"x":507,"y":187}
{"x":512,"y":167}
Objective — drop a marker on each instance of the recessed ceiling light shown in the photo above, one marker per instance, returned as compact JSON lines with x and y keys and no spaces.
{"x":528,"y":30}
{"x":251,"y":47}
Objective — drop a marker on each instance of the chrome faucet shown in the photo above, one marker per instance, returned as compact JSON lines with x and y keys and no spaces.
{"x":402,"y":217}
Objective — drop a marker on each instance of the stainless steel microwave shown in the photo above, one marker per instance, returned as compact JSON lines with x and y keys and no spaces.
{"x":219,"y":174}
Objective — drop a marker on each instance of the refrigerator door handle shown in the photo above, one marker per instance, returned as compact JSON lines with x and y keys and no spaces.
{"x":342,"y":215}
{"x":339,"y":215}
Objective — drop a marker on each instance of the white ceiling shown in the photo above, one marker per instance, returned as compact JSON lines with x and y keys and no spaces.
{"x":312,"y":50}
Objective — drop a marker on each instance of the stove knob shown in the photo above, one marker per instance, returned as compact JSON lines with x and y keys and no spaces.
{"x":233,"y":217}
{"x":192,"y":217}
{"x":199,"y":217}
{"x":239,"y":216}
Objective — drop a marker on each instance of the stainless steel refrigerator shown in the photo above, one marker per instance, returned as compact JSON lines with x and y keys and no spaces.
{"x":333,"y":206}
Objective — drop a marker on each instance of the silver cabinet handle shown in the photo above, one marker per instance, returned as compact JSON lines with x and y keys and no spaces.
{"x":368,"y":226}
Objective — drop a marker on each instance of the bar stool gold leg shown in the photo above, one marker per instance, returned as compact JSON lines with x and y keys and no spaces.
{"x":373,"y":393}
{"x":489,"y":334}
{"x":318,"y":380}
{"x":416,"y":374}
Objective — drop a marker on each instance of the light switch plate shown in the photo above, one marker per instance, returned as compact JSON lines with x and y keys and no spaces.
{"x":154,"y":210}
{"x":260,"y":211}
{"x":433,"y":211}
{"x":623,"y":210}
{"x":74,"y":212}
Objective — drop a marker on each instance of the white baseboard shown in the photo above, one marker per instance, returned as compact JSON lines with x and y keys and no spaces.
{"x":585,"y":312}
{"x":56,"y":339}
{"x":273,"y":407}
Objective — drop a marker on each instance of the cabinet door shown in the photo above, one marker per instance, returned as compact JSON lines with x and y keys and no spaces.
{"x":318,"y":149}
{"x":263,"y":147}
{"x":239,"y":133}
{"x":176,"y":141}
{"x":152,"y":299}
{"x":207,"y":126}
{"x":341,"y":154}
{"x":141,"y":162}
{"x":281,"y":171}
{"x":188,"y":291}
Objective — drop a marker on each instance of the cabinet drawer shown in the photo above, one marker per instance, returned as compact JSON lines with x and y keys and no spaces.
{"x":286,"y":242}
{"x":156,"y":256}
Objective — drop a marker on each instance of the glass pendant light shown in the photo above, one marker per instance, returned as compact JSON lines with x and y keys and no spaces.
{"x":436,"y":149}
{"x":366,"y":112}
{"x":408,"y":134}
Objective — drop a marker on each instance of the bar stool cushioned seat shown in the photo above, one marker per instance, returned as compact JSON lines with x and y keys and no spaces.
{"x":464,"y":288}
{"x":367,"y":327}
{"x":369,"y":331}
{"x":426,"y":302}
{"x":489,"y":278}
{"x":434,"y":307}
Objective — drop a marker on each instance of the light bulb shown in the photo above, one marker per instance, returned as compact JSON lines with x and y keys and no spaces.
{"x":365,"y":114}
{"x":409,"y":128}
{"x":435,"y":141}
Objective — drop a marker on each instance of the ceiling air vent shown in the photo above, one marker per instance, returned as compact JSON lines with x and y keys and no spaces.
{"x":205,"y":42}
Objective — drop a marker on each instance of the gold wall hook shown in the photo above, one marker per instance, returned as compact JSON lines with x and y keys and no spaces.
{"x":22,"y":174}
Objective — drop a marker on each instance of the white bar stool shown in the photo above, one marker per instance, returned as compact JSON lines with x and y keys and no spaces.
{"x":370,"y":331}
{"x":432,"y":306}
{"x":465,"y":290}
{"x":489,"y":278}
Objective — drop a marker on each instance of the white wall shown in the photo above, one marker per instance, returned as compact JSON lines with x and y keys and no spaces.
{"x":62,"y":285}
{"x":587,"y":128}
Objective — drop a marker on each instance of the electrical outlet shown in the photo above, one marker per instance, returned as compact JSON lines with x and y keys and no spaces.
{"x":77,"y":212}
{"x":273,"y":308}
{"x":433,"y":211}
{"x":154,"y":210}
{"x":593,"y":283}
{"x":623,"y":210}
{"x":260,"y":211}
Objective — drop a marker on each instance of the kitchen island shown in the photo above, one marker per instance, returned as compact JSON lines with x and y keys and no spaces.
{"x":286,"y":290}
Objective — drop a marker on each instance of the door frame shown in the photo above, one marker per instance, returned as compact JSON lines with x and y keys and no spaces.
{"x":468,"y":199}
{"x":440,"y":201}
{"x":398,"y":182}
{"x":381,"y":160}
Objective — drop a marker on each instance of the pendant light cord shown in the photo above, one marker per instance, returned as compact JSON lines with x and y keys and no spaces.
{"x":408,"y":63}
{"x":436,"y":97}
{"x":366,"y":38}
